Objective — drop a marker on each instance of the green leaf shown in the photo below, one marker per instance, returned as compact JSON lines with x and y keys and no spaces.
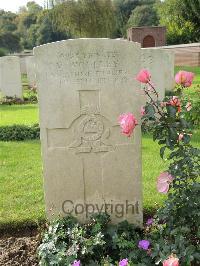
{"x":162,"y":151}
{"x":171,"y":110}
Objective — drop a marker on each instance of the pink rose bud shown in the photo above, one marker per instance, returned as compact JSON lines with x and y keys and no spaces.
{"x":180,"y":136}
{"x":188,"y":106}
{"x":184,"y":78}
{"x":171,"y":261}
{"x":163,"y":182}
{"x":175,"y":102}
{"x":142,"y":110}
{"x":143,"y":76}
{"x":127,"y":122}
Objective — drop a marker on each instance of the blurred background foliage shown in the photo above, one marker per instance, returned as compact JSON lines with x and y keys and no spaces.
{"x":33,"y":25}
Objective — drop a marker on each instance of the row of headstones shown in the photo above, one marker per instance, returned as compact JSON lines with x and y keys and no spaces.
{"x":10,"y":75}
{"x":84,"y":85}
{"x":159,"y":62}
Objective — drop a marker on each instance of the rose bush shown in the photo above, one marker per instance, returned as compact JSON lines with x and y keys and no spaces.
{"x":176,"y":226}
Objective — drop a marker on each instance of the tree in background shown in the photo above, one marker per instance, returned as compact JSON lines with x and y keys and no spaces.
{"x":63,"y":19}
{"x":7,"y":21}
{"x":123,"y":9}
{"x":181,"y":17}
{"x":9,"y":40}
{"x":144,"y":15}
{"x":191,"y":12}
{"x":85,"y":18}
{"x":46,"y":31}
{"x":27,"y":24}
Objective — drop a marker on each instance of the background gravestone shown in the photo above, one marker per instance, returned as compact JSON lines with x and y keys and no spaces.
{"x":30,"y":67}
{"x":10,"y":76}
{"x":160,"y":63}
{"x":84,"y":85}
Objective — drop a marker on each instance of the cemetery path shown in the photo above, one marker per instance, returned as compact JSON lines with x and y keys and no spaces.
{"x":19,"y":249}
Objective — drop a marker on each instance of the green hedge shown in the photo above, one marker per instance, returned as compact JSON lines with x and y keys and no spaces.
{"x":19,"y":132}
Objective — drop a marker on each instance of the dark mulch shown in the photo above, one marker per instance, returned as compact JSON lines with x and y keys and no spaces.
{"x":19,"y":248}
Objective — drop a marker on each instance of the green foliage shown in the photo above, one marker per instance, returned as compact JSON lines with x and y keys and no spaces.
{"x":19,"y":132}
{"x":62,"y":19}
{"x":176,"y":230}
{"x":144,"y":15}
{"x":178,"y":233}
{"x":191,"y":11}
{"x":7,"y":21}
{"x":3,"y":52}
{"x":85,"y":18}
{"x":177,"y":16}
{"x":10,"y":42}
{"x":27,"y":24}
{"x":123,"y":11}
{"x":193,"y":116}
{"x":92,"y":243}
{"x":46,"y":32}
{"x":30,"y":97}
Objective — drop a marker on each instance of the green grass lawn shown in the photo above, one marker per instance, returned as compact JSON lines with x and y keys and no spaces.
{"x":21,"y":193}
{"x":21,"y":185}
{"x":21,"y":180}
{"x":18,"y":114}
{"x":21,"y":188}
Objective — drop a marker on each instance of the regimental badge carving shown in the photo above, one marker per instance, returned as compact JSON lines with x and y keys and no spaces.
{"x":91,"y":132}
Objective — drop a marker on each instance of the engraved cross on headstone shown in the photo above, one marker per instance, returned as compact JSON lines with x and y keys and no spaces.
{"x":91,"y":132}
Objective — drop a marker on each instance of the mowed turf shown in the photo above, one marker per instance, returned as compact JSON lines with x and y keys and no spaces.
{"x":21,"y":193}
{"x":21,"y":183}
{"x":18,"y":114}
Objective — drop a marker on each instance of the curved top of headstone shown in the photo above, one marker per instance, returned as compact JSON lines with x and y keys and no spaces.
{"x":79,"y":40}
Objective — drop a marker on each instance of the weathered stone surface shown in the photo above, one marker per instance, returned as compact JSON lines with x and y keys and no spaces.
{"x":30,"y":67}
{"x":160,"y":63}
{"x":10,"y":76}
{"x":23,"y":65}
{"x":84,"y":85}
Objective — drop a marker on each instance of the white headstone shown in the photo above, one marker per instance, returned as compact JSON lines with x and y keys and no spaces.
{"x":89,"y":166}
{"x":30,"y":66}
{"x":160,"y":63}
{"x":23,"y":64}
{"x":10,"y":76}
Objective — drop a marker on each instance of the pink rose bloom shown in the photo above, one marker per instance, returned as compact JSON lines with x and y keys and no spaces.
{"x":175,"y":102}
{"x":142,"y":110}
{"x":184,"y":78}
{"x":127,"y":122}
{"x":143,"y":76}
{"x":188,"y":106}
{"x":171,"y":261}
{"x":123,"y":262}
{"x":180,"y":136}
{"x":163,"y":182}
{"x":76,"y":263}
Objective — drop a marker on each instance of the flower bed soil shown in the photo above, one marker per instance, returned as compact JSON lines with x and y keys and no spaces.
{"x":19,"y":248}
